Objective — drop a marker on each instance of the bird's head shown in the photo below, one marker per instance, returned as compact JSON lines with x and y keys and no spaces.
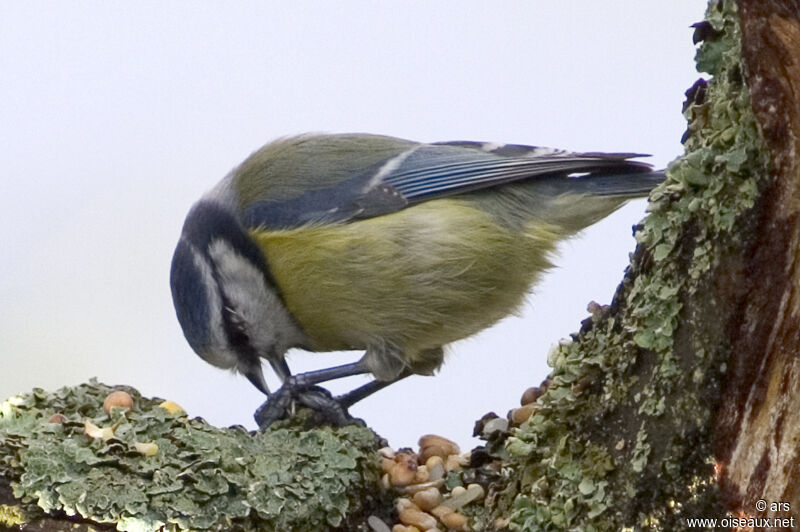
{"x":227,"y":302}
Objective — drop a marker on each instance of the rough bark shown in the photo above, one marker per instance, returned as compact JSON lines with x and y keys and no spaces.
{"x":758,"y":426}
{"x":681,"y":400}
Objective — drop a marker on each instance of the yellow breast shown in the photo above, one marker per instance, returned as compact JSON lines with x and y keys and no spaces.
{"x":419,"y":278}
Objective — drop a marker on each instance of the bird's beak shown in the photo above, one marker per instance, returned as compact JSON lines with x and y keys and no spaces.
{"x":255,"y":375}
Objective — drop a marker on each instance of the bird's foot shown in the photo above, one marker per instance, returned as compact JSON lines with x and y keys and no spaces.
{"x":326,"y":409}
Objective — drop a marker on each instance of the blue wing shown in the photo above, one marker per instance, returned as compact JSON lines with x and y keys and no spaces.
{"x":430,"y":171}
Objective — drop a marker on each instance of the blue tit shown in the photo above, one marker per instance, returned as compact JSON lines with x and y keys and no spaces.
{"x":374,"y":243}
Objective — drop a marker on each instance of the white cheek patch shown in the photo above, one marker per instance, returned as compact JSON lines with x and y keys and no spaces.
{"x":264,"y":318}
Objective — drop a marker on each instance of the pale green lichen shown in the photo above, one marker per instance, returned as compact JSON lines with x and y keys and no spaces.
{"x":579,"y":467}
{"x":199,"y":478}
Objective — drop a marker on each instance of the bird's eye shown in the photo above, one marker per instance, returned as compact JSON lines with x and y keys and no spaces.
{"x":235,"y":328}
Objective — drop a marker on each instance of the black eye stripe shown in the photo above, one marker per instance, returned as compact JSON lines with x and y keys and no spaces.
{"x":235,"y":328}
{"x":236,"y":332}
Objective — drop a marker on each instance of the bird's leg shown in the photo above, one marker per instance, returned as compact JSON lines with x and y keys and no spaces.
{"x":387,"y":364}
{"x":302,"y":389}
{"x":352,"y":397}
{"x":333,"y":410}
{"x":328,"y":374}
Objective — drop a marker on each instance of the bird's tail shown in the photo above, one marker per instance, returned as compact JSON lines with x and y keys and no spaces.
{"x":632,"y":185}
{"x":577,"y":202}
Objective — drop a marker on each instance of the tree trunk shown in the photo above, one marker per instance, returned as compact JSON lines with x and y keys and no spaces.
{"x":758,"y":422}
{"x":696,"y":374}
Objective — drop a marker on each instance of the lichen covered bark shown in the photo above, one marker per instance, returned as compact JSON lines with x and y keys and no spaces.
{"x":622,"y":438}
{"x":144,"y":468}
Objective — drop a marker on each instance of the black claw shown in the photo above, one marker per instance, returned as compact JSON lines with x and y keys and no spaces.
{"x":326,"y":408}
{"x":276,"y":407}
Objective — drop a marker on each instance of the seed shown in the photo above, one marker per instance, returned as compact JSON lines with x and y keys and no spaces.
{"x":454,"y":521}
{"x":147,"y":449}
{"x":433,"y":445}
{"x":377,"y":525}
{"x":117,"y":398}
{"x":441,"y":511}
{"x":404,"y":471}
{"x":416,"y":488}
{"x":435,"y":466}
{"x":428,"y":499}
{"x":461,"y":497}
{"x":172,"y":407}
{"x":421,"y":475}
{"x":415,"y":517}
{"x":403,"y":528}
{"x":520,"y":415}
{"x":387,"y":464}
{"x":530,"y":395}
{"x":95,"y":432}
{"x":452,"y":463}
{"x":58,"y":418}
{"x":386,"y":452}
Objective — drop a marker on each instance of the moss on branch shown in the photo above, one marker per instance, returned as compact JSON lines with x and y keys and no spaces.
{"x":147,"y":469}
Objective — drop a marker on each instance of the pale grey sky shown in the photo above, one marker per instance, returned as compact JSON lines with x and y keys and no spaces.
{"x":116,"y":116}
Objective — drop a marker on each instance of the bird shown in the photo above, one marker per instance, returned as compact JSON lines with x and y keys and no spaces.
{"x":355,"y":241}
